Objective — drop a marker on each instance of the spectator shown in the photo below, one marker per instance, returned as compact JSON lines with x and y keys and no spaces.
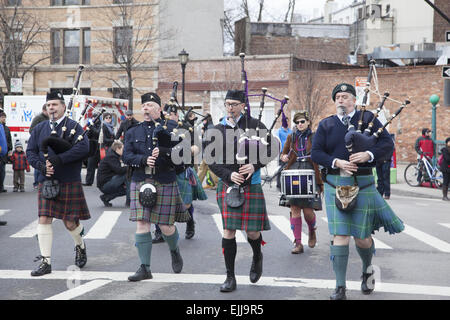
{"x":283,"y":132}
{"x":424,"y":147}
{"x":4,"y":159}
{"x":445,"y":168}
{"x":111,"y":176}
{"x":128,"y":123}
{"x":43,"y":116}
{"x":108,"y":130}
{"x":3,"y":151}
{"x":19,"y":164}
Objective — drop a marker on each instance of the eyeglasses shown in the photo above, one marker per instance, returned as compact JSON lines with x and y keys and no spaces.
{"x":300,"y":121}
{"x":226,"y":104}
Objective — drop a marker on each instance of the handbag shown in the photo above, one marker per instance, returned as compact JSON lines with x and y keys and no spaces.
{"x":50,"y":189}
{"x":234,"y":196}
{"x":147,"y":195}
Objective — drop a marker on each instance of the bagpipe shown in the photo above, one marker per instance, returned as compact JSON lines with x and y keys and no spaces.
{"x":256,"y":141}
{"x":355,"y":139}
{"x":64,"y":142}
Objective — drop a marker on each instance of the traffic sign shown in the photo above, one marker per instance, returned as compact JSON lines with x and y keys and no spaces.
{"x":446,"y":72}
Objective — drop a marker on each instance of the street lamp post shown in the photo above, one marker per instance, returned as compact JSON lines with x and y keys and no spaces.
{"x":184,"y":57}
{"x":434,"y":99}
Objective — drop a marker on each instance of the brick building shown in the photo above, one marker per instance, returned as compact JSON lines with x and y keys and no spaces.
{"x":440,"y":25}
{"x":323,"y":42}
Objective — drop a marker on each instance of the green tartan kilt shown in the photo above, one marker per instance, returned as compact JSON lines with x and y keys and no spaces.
{"x":189,"y":192}
{"x":169,"y":207}
{"x":371,"y":212}
{"x":251,"y":216}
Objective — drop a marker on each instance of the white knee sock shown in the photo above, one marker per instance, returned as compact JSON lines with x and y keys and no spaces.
{"x":45,"y":237}
{"x":76,"y":235}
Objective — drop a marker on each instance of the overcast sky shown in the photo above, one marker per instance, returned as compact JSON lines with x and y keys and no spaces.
{"x":276,"y":9}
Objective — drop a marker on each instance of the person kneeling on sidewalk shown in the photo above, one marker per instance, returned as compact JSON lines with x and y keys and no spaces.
{"x":111,"y":175}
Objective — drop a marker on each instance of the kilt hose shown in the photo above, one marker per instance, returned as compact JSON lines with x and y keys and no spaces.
{"x":69,"y":205}
{"x":169,"y":207}
{"x":190,"y":187}
{"x":371,"y":212}
{"x":251,"y":216}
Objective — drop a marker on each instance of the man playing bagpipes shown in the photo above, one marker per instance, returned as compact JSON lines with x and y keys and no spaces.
{"x":354,"y":206}
{"x":63,"y":170}
{"x":239,"y":193}
{"x":154,"y":194}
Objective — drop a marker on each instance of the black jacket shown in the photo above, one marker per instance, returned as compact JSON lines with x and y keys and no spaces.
{"x":5,"y":158}
{"x":108,"y":137}
{"x":124,"y":126}
{"x":446,"y":161}
{"x":109,"y":167}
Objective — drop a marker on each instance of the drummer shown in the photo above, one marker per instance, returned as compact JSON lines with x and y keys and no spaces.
{"x":297,"y":154}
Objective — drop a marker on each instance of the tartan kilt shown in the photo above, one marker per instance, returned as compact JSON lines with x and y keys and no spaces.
{"x":189,"y":192}
{"x":371,"y":212}
{"x":251,"y":216}
{"x":69,"y":205}
{"x":169,"y":207}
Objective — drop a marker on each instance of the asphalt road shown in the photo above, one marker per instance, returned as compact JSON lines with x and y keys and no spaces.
{"x":411,"y":265}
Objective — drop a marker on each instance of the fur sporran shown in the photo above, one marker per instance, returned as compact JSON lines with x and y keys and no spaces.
{"x":50,"y":189}
{"x":234,"y":196}
{"x":345,"y":199}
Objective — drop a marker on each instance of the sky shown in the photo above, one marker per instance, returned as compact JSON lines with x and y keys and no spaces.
{"x":276,"y":9}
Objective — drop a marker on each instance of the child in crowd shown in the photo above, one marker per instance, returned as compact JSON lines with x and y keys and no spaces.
{"x":20,"y":164}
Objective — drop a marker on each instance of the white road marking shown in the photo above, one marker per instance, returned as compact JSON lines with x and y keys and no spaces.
{"x":447,"y":225}
{"x":28,"y":232}
{"x":104,"y":277}
{"x":3,"y":211}
{"x":378,"y":243}
{"x":284,"y":225}
{"x":80,"y":290}
{"x":427,"y":239}
{"x":218,"y":220}
{"x":103,"y":226}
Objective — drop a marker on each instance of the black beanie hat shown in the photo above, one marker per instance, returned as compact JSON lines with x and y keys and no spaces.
{"x":149,"y":97}
{"x":238,"y":95}
{"x":343,"y":87}
{"x":55,"y":95}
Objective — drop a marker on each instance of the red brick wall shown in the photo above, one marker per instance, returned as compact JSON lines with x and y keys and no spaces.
{"x":326,"y":49}
{"x":440,"y":24}
{"x":414,"y":83}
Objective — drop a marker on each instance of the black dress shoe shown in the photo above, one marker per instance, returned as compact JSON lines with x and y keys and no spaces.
{"x":80,"y":256}
{"x":256,"y":268}
{"x":105,"y":201}
{"x":141,"y":274}
{"x":158,"y":237}
{"x":177,"y":260}
{"x":3,"y":190}
{"x":367,"y":288}
{"x":229,"y":285}
{"x":3,"y":223}
{"x":339,"y":294}
{"x":44,"y":268}
{"x":190,"y":229}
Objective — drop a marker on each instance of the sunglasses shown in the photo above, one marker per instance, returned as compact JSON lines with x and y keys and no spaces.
{"x":300,"y":121}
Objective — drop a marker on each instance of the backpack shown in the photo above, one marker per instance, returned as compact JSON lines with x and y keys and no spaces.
{"x":441,"y":159}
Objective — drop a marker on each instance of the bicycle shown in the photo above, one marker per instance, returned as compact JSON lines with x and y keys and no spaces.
{"x":430,"y":173}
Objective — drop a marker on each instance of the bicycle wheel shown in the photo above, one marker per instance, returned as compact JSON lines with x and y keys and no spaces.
{"x":410,"y":175}
{"x":438,"y":179}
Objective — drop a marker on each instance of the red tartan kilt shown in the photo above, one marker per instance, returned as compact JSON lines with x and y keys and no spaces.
{"x":70,"y":205}
{"x":251,"y":216}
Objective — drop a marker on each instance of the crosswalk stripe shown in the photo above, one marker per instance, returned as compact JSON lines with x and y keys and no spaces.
{"x":378,"y":243}
{"x":218,"y":220}
{"x":80,"y":290}
{"x":447,"y":225}
{"x":103,"y":226}
{"x":283,"y":224}
{"x":3,"y":211}
{"x":427,"y":239}
{"x":28,"y":232}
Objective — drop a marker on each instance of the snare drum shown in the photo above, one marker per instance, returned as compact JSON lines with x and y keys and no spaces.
{"x":298,"y":183}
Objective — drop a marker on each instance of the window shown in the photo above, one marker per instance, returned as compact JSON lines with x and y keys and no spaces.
{"x":120,"y":93}
{"x":122,"y":43}
{"x":11,"y":3}
{"x":70,"y":2}
{"x":73,"y":45}
{"x":122,"y":1}
{"x":69,"y":91}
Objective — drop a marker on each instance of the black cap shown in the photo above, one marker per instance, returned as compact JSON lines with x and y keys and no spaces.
{"x":238,"y":95}
{"x":151,"y":97}
{"x":343,"y":87}
{"x":55,"y":95}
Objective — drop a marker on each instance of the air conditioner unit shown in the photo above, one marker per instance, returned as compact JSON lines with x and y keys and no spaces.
{"x":122,"y":58}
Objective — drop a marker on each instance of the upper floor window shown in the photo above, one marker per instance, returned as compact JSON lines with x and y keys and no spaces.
{"x":69,"y":2}
{"x":11,"y":3}
{"x":122,"y":1}
{"x":123,"y":37}
{"x":72,"y":45}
